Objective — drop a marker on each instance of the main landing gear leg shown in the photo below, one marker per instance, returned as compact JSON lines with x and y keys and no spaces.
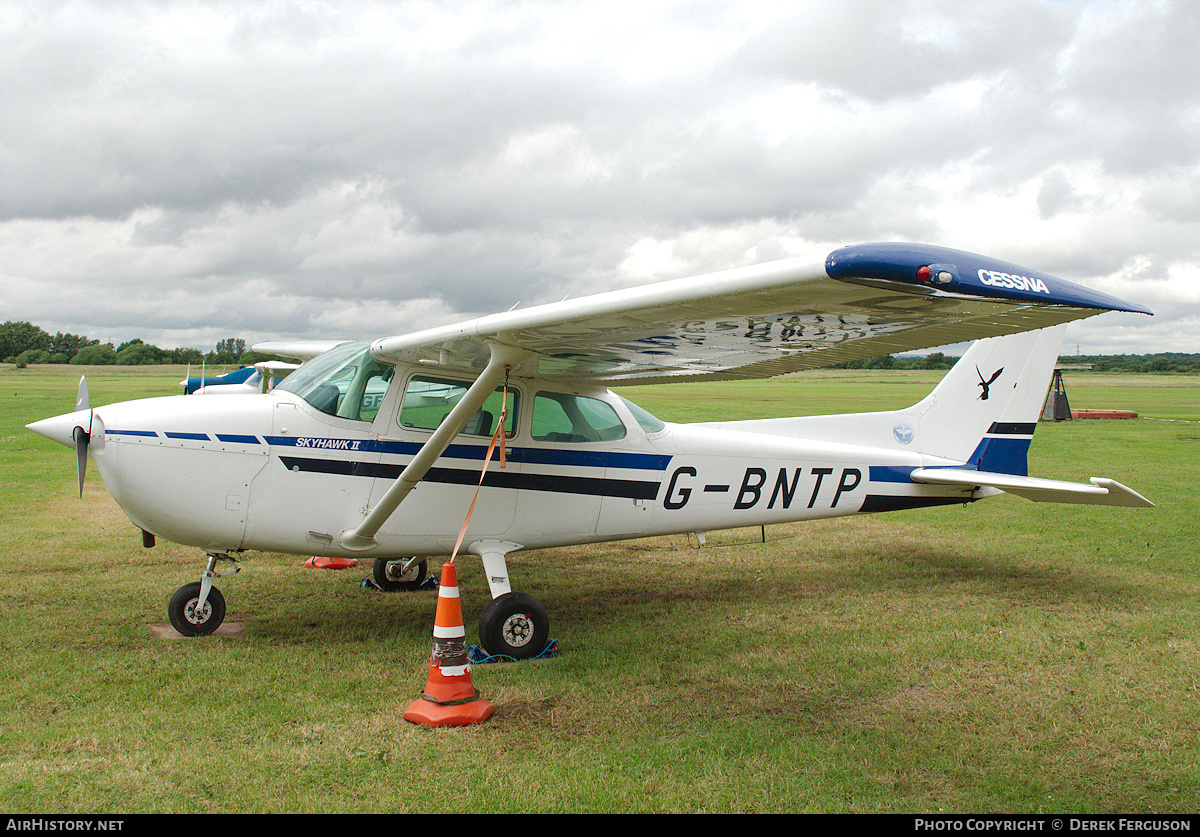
{"x":198,"y":608}
{"x":513,"y":624}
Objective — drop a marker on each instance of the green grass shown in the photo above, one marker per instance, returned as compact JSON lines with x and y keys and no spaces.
{"x":1007,"y":656}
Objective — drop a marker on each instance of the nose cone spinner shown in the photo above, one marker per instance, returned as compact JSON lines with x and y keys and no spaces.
{"x":62,"y":429}
{"x":72,"y":429}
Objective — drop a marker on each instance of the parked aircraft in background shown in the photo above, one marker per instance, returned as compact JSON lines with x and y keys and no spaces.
{"x":235,"y":378}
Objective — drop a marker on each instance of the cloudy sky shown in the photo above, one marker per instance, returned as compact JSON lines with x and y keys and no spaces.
{"x":188,"y":171}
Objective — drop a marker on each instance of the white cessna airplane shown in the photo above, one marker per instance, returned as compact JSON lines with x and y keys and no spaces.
{"x":376,"y":450}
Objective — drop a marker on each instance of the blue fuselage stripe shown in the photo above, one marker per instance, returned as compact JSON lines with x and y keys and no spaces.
{"x":891,"y":473}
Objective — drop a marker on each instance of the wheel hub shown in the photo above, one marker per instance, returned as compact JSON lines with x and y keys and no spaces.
{"x":518,"y":630}
{"x":395,"y":571}
{"x":197,"y":617}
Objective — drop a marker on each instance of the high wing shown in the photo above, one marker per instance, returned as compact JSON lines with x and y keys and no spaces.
{"x":275,"y":367}
{"x":299,"y":349}
{"x":755,"y":322}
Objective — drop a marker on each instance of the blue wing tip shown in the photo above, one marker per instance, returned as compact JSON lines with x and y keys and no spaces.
{"x":962,"y":272}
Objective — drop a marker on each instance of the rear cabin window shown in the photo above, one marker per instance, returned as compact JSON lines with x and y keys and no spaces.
{"x":574,"y":419}
{"x":428,"y":401}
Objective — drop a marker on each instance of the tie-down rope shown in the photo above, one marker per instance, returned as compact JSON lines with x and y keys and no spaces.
{"x":498,"y":436}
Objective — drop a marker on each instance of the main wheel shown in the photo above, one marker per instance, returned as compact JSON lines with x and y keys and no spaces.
{"x":190,"y":621}
{"x":515,"y":625}
{"x":390,"y":575}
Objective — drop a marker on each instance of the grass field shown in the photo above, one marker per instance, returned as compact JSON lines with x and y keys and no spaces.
{"x":1002,"y":657}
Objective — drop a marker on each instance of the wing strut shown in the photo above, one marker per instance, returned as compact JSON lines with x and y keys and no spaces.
{"x":502,"y":359}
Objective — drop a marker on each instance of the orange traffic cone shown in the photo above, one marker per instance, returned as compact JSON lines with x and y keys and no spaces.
{"x":449,"y":699}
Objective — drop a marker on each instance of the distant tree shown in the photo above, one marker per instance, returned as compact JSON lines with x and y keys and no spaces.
{"x":137,"y":353}
{"x":16,"y":338}
{"x":97,"y":355}
{"x":187,"y":356}
{"x":250,"y":357}
{"x":32,"y":356}
{"x":232,"y":346}
{"x":69,"y":344}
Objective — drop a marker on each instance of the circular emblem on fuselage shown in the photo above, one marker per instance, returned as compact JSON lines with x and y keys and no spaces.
{"x":903,"y":431}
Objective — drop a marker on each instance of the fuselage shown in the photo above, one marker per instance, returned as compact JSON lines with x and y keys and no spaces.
{"x":287,"y":472}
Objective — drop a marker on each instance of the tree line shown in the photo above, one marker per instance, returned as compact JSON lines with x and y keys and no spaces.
{"x":23,"y":343}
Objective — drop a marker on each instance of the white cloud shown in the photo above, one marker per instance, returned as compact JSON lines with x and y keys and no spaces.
{"x":284,"y":170}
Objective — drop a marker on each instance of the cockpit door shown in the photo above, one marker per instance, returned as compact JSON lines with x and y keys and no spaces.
{"x":435,"y":510}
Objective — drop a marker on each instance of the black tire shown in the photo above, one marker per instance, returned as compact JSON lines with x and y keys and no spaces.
{"x":390,"y":576}
{"x":514,"y":625}
{"x":182,"y":610}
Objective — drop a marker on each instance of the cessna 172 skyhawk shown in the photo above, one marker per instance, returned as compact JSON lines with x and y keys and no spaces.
{"x":375,"y":450}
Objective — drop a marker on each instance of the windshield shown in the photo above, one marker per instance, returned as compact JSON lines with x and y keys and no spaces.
{"x":345,"y":382}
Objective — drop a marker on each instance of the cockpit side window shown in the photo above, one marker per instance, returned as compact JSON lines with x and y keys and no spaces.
{"x":428,"y":401}
{"x":574,"y":419}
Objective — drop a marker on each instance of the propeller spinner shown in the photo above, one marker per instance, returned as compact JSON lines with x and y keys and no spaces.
{"x":71,"y":429}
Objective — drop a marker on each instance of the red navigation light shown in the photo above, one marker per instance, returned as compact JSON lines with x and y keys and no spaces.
{"x":924,"y":273}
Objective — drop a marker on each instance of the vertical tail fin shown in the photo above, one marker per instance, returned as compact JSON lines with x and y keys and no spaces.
{"x":986,"y":408}
{"x":983,"y":412}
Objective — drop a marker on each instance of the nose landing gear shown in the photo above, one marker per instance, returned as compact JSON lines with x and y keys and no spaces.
{"x":198,"y":608}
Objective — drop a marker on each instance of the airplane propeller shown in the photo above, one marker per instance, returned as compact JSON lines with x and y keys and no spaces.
{"x":81,"y":436}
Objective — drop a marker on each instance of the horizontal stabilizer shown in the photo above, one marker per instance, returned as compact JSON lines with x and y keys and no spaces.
{"x":1102,"y":491}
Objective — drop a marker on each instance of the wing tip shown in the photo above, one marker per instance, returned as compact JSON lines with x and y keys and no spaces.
{"x":928,"y":266}
{"x":1124,"y":492}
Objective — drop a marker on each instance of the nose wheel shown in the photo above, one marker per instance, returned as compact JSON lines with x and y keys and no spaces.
{"x":191,"y":617}
{"x":198,"y":608}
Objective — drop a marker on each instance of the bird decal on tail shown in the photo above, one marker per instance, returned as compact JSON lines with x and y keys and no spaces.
{"x":986,"y":385}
